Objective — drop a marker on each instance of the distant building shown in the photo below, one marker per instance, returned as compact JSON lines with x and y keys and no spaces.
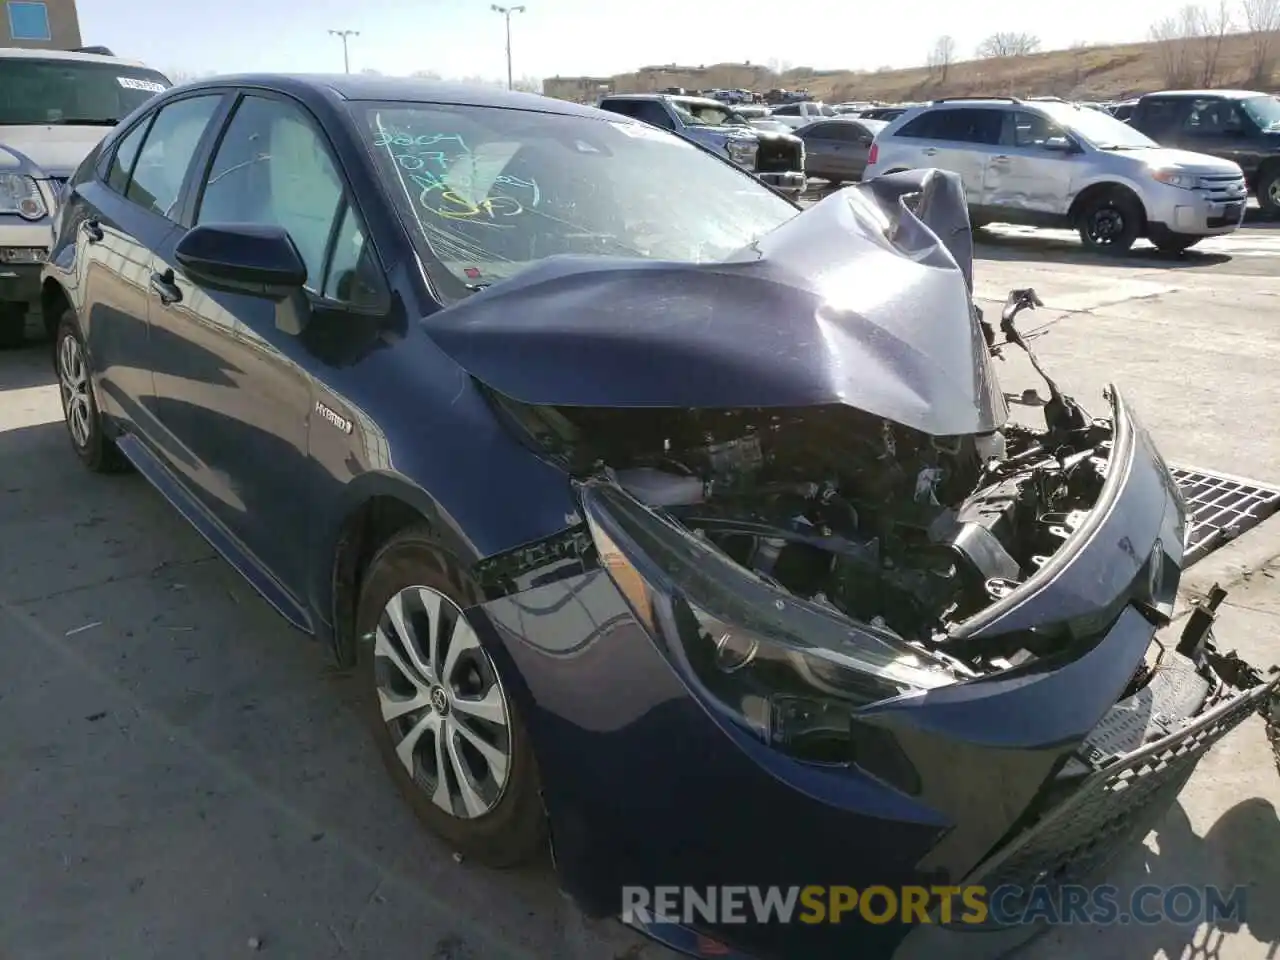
{"x":40,"y":24}
{"x":577,"y":89}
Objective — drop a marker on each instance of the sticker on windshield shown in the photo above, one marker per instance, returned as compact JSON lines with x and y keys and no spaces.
{"x":132,"y":83}
{"x":642,"y":131}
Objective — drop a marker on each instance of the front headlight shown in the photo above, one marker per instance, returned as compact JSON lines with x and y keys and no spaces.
{"x":1174,"y":178}
{"x":742,"y":152}
{"x":787,"y":670}
{"x":21,"y":195}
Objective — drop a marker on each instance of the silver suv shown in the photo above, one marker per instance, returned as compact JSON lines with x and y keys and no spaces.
{"x":55,"y":107}
{"x":1055,"y":164}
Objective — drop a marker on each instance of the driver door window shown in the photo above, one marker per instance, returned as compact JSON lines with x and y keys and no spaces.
{"x":1032,"y":131}
{"x":272,"y":168}
{"x":1214,"y":118}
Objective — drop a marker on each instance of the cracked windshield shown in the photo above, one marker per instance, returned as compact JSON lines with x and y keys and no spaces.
{"x":489,"y":191}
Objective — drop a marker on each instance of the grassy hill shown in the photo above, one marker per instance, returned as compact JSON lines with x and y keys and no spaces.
{"x":1101,"y":72}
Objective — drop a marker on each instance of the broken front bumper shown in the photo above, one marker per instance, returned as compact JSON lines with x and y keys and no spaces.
{"x":1119,"y":785}
{"x":1115,"y":788}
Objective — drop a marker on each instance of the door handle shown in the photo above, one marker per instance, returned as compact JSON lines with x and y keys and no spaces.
{"x":162,"y":284}
{"x":930,"y":151}
{"x":1000,"y":159}
{"x":92,"y":230}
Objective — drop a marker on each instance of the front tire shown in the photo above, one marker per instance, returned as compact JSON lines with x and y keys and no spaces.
{"x":448,"y":730}
{"x":1268,"y":192}
{"x":1110,"y":223}
{"x":80,"y":412}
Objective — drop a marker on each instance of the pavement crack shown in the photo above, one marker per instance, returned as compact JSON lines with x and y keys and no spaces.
{"x":114,"y":578}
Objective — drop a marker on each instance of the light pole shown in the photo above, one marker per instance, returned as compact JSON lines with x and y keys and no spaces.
{"x":506,"y":14}
{"x":343,"y":35}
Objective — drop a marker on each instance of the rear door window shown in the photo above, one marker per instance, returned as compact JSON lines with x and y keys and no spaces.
{"x":923,"y":127}
{"x":968,"y":125}
{"x":627,"y":108}
{"x":1164,"y":114}
{"x":163,"y":161}
{"x":125,"y":154}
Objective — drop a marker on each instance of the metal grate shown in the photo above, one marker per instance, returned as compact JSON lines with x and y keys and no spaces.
{"x":1116,"y":805}
{"x":1221,"y":508}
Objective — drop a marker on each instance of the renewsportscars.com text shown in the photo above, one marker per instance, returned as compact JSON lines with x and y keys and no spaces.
{"x":971,"y":905}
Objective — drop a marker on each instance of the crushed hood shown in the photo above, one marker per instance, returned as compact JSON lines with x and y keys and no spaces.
{"x":854,"y":301}
{"x":52,"y":151}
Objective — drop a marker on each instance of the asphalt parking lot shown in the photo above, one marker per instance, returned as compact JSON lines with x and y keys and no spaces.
{"x":181,"y":775}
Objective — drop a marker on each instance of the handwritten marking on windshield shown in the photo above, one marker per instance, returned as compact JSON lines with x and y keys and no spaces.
{"x":387,"y":139}
{"x":444,"y":200}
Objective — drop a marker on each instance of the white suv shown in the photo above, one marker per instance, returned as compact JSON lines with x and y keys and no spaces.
{"x":55,"y":107}
{"x":1055,"y":164}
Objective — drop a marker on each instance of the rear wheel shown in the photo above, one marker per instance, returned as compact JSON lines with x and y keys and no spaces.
{"x":445,"y":723}
{"x":95,"y":449}
{"x":1110,"y":222}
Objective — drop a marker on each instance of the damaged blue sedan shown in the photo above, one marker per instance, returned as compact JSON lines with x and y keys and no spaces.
{"x":666,"y":525}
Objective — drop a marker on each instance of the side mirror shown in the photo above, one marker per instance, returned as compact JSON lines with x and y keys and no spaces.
{"x":256,"y":260}
{"x":1060,"y":145}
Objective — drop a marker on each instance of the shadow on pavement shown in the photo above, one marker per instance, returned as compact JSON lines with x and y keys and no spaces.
{"x":27,"y":366}
{"x":1241,"y":849}
{"x":1039,"y":246}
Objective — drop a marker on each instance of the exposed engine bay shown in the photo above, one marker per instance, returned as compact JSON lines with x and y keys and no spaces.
{"x":878,"y":521}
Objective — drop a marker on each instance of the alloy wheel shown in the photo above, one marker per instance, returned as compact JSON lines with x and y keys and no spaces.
{"x":443,"y":702}
{"x":1273,"y":193}
{"x":73,"y":377}
{"x":1105,"y":225}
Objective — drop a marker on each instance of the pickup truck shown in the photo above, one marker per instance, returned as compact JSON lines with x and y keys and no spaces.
{"x":1238,"y":125}
{"x":776,"y":158}
{"x":802,"y":113}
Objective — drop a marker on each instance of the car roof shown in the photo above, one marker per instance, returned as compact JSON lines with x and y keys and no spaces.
{"x":868,"y":124}
{"x":967,"y":102}
{"x":358,"y":87}
{"x":23,"y":53}
{"x":1207,"y":94}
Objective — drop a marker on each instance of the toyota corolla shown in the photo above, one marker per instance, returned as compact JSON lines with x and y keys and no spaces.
{"x":667,"y":524}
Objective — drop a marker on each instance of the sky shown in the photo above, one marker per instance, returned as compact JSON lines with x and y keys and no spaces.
{"x":464,"y":38}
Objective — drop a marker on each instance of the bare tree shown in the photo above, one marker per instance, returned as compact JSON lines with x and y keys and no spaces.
{"x":528,"y":84}
{"x":1174,"y":38}
{"x":1262,"y":19}
{"x":943,"y":55}
{"x":177,"y":77}
{"x":425,"y":75}
{"x":1008,"y":45}
{"x":1212,"y":29}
